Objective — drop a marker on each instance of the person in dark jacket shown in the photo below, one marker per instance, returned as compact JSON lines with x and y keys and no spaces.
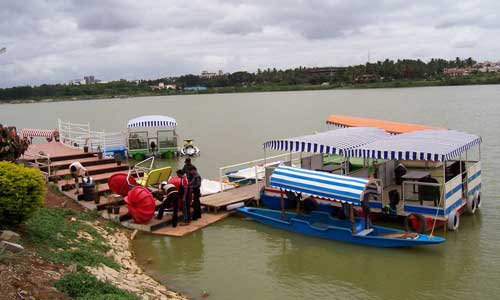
{"x":195,"y":187}
{"x":188,"y":166}
{"x":170,"y":198}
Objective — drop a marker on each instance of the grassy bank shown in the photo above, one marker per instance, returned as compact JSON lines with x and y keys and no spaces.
{"x":66,"y":237}
{"x":479,"y":79}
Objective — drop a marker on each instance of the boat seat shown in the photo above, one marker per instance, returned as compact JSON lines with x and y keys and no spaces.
{"x":155,"y":177}
{"x":365,"y":232}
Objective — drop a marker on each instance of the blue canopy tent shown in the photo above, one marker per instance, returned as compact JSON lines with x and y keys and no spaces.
{"x":340,"y":188}
{"x":345,"y":189}
{"x":432,"y":145}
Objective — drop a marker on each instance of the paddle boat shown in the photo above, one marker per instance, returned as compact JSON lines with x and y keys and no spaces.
{"x":349,"y":191}
{"x":152,"y":135}
{"x":429,"y":176}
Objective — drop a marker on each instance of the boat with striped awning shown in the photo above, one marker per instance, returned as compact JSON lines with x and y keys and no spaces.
{"x":347,"y":190}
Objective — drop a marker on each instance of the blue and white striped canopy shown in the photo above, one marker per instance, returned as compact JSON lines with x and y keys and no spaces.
{"x":152,"y":121}
{"x":320,"y":184}
{"x":329,"y":142}
{"x":434,"y":145}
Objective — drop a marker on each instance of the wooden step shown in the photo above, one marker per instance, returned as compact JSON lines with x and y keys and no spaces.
{"x":87,"y":161}
{"x":70,"y":157}
{"x":98,"y":178}
{"x":103,"y":188}
{"x":93,"y":170}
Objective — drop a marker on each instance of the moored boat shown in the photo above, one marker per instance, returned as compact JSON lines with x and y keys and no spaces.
{"x":348,"y":191}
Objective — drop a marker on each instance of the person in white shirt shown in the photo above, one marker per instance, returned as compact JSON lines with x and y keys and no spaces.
{"x":77,"y":170}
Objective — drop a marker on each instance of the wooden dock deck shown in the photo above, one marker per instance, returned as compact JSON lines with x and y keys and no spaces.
{"x":101,"y":169}
{"x":220,"y":201}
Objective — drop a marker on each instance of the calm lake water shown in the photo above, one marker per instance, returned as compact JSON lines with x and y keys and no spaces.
{"x":240,"y":259}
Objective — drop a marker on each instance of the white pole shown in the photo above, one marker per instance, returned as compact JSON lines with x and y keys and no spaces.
{"x":220,"y":180}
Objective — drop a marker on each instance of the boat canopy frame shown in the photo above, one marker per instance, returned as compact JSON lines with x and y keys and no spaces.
{"x":337,"y":188}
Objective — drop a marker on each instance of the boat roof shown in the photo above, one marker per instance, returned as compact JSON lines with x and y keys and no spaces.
{"x":434,"y":145}
{"x":329,"y":142}
{"x":341,"y":188}
{"x":152,"y":121}
{"x":389,"y":126}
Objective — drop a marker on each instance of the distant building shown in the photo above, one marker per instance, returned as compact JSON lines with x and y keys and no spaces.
{"x":76,"y":82}
{"x":367,"y":78}
{"x":163,"y":86}
{"x":89,"y":79}
{"x":487,"y":67}
{"x":324,"y":71}
{"x":208,"y":75}
{"x":195,"y":88}
{"x":456,"y":72}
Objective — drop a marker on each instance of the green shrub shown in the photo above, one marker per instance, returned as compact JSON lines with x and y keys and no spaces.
{"x":81,"y":285}
{"x":21,"y":192}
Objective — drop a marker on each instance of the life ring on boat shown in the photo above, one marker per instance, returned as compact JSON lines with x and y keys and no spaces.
{"x":477,"y":196}
{"x":415,"y":223}
{"x":471,"y":204}
{"x":453,"y":220}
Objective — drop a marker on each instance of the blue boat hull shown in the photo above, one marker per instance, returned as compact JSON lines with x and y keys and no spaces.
{"x":321,"y":224}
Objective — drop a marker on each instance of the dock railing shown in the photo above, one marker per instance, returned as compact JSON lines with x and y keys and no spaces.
{"x":40,"y":161}
{"x":256,"y":169}
{"x":79,"y":135}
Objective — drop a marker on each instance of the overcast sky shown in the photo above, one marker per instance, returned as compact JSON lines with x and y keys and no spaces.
{"x":58,"y":40}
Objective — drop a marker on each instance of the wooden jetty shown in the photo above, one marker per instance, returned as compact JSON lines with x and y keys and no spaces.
{"x":61,"y":156}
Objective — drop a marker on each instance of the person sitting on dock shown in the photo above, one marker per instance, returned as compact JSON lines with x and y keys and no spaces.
{"x":77,"y":170}
{"x":195,"y":186}
{"x":170,"y":197}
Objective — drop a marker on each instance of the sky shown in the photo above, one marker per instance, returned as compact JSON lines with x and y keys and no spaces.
{"x":54,"y":41}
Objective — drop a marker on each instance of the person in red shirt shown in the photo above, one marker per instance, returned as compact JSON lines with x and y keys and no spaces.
{"x":181,"y":183}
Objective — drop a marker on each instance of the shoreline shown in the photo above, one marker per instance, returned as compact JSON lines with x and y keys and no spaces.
{"x":131,"y":276}
{"x":268,"y":89}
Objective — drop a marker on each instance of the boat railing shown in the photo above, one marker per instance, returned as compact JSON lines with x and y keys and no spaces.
{"x":257,"y":169}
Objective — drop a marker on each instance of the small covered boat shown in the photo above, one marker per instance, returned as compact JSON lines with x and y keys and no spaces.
{"x":152,"y":135}
{"x":347,"y":190}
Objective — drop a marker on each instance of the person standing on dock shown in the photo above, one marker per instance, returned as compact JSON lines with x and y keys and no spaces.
{"x":77,"y":170}
{"x":188,"y":166}
{"x":181,"y":183}
{"x":195,"y":186}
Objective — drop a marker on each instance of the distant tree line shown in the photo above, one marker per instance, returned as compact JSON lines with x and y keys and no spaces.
{"x":387,"y":70}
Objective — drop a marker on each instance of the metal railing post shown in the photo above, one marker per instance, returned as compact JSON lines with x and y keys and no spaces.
{"x":220,"y":180}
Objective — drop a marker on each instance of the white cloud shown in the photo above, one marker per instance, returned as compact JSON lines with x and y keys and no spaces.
{"x":55,"y":41}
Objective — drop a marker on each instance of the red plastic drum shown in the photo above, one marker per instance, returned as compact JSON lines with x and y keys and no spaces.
{"x":141,"y":204}
{"x":118,"y":183}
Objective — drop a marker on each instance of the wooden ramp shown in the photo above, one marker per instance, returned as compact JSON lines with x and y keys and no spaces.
{"x":220,"y":201}
{"x":180,"y":230}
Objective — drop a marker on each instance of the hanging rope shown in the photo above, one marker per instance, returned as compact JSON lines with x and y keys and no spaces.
{"x":437,"y":211}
